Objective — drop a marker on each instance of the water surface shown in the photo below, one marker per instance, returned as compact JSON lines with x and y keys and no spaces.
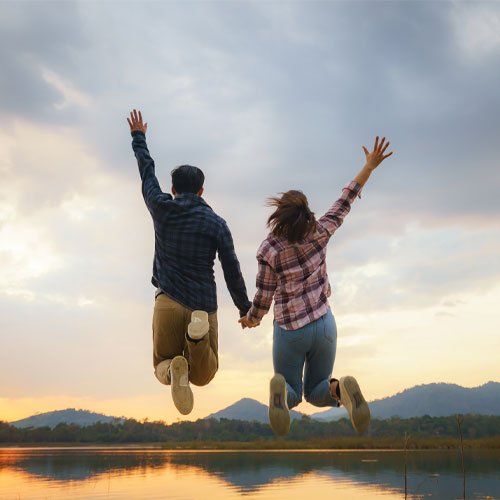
{"x":152,"y":473}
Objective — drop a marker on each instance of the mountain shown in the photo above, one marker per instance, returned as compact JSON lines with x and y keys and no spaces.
{"x":248,"y":409}
{"x":68,"y":416}
{"x":436,"y":400}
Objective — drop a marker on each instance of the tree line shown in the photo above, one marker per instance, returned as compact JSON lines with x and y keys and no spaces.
{"x":224,"y":430}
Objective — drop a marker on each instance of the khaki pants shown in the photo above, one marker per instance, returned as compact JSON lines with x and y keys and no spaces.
{"x":170,"y":323}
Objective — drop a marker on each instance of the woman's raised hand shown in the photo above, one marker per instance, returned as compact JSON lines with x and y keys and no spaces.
{"x":377,"y":156}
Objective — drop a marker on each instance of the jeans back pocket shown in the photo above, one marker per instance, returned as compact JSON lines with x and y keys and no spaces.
{"x":329,"y":328}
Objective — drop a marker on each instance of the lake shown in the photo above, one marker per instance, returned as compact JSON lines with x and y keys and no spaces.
{"x":152,"y":473}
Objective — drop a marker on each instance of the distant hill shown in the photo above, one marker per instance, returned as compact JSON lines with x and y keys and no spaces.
{"x":223,"y":434}
{"x":436,"y":400}
{"x":248,"y":409}
{"x":68,"y":416}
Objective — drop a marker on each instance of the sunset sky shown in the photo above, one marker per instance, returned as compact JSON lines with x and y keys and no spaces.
{"x":264,"y":97}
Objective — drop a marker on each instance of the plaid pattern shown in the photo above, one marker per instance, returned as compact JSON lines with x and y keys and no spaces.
{"x":295,"y":274}
{"x":188,"y":234}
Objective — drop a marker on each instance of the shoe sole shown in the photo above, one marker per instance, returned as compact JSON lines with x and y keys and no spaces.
{"x":279,"y":415}
{"x":182,"y":395}
{"x":355,"y":404}
{"x":199,"y":325}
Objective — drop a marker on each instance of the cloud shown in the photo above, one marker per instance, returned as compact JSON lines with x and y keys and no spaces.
{"x":264,"y":97}
{"x":477,"y":29}
{"x":285,"y":92}
{"x":421,"y":267}
{"x":34,"y":36}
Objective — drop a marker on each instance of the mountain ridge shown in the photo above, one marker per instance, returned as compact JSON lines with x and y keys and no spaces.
{"x":68,"y":416}
{"x":434,"y":399}
{"x":248,"y":409}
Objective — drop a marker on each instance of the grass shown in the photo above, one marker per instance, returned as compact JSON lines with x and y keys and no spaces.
{"x":341,"y":443}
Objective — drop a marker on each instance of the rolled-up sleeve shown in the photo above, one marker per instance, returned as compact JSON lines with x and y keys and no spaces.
{"x":334,"y":218}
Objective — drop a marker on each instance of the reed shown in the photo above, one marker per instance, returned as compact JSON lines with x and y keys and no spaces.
{"x":406,"y":441}
{"x":460,"y":419}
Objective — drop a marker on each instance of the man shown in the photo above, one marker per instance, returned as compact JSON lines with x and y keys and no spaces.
{"x":188,"y":234}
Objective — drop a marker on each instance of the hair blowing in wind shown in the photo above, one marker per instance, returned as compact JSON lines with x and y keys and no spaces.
{"x":292,"y":219}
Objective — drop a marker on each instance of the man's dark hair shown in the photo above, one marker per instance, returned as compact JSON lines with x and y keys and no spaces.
{"x":187,"y":179}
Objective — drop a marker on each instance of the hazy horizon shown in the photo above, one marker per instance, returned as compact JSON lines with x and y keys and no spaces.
{"x":263,"y":97}
{"x":315,"y":409}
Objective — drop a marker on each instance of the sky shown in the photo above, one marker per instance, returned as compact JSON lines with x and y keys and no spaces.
{"x":264,"y":97}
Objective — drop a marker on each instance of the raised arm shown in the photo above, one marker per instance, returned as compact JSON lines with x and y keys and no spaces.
{"x":232,"y":272}
{"x":151,"y":191}
{"x":333,"y":219}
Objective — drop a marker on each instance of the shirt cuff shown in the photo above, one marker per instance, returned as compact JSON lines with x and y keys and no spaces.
{"x":253,"y":314}
{"x":135,"y":133}
{"x":244,"y":311}
{"x":355,"y":187}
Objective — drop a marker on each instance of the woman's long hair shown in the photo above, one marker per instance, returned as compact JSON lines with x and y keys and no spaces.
{"x":292,"y":219}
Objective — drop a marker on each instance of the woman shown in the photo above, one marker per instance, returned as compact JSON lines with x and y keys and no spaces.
{"x":292,"y":269}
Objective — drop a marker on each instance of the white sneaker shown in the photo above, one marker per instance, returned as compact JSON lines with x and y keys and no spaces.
{"x":162,"y":371}
{"x":199,"y":325}
{"x":182,"y":395}
{"x":279,"y":415}
{"x":354,"y":402}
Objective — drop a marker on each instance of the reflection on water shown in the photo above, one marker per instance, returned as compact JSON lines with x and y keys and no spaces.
{"x":130,"y":473}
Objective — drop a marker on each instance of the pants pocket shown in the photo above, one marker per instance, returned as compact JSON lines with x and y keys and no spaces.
{"x":329,"y":328}
{"x":292,"y":335}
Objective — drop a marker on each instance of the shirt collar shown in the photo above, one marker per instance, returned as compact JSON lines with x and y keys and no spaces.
{"x":190,"y":199}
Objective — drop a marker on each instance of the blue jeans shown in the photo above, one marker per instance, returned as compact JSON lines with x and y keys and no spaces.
{"x":313,"y":345}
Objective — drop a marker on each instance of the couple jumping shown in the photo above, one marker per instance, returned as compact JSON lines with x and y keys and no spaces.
{"x":291,"y":270}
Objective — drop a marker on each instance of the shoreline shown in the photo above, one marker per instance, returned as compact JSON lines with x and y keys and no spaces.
{"x":157,"y":449}
{"x":277,"y":445}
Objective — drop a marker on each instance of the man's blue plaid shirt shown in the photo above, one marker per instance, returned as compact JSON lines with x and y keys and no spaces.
{"x":188,"y":234}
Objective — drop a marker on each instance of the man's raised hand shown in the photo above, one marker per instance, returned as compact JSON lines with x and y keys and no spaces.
{"x":376,"y":157}
{"x":135,"y":122}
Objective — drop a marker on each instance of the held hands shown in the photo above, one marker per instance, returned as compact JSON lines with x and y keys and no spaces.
{"x":248,"y":323}
{"x":376,"y":157}
{"x":135,"y":122}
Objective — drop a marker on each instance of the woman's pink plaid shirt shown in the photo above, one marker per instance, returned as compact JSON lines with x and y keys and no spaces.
{"x":295,"y":274}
